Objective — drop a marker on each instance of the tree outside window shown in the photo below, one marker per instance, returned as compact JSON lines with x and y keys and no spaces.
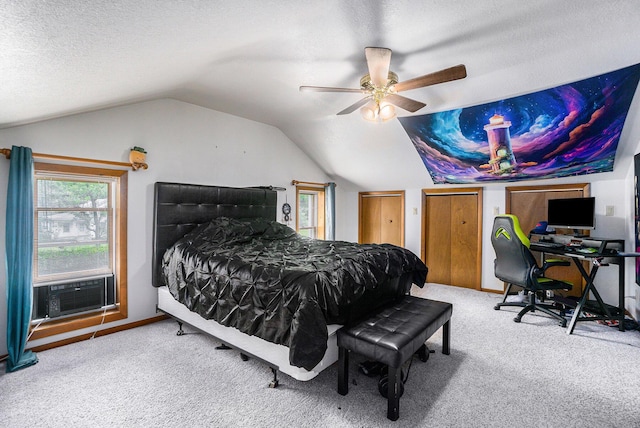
{"x":74,"y":220}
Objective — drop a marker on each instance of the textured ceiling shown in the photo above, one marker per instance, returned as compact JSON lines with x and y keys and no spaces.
{"x":248,"y":58}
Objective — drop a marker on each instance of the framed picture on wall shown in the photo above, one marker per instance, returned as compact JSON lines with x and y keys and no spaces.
{"x":636,"y":186}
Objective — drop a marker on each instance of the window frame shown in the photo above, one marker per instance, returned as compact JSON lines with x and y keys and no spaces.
{"x":319,"y":210}
{"x":119,"y":312}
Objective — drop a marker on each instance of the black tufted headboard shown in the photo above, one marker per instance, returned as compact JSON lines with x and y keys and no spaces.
{"x":178,"y":208}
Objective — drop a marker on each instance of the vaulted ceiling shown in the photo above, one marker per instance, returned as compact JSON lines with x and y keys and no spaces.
{"x":248,"y":58}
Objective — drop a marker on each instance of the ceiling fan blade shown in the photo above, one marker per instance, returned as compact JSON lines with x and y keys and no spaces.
{"x":378,"y":60}
{"x":404,"y":103}
{"x":329,"y":89}
{"x":446,"y":75}
{"x":355,"y":106}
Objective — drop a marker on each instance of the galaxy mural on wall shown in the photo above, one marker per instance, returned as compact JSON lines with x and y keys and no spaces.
{"x":568,"y":130}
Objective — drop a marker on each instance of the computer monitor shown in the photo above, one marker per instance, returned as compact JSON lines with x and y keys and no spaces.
{"x":572,"y":213}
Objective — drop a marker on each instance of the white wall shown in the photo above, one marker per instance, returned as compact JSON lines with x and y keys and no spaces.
{"x":185,"y":143}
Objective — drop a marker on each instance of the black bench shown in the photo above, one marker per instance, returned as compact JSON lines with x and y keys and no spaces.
{"x":392,"y":337}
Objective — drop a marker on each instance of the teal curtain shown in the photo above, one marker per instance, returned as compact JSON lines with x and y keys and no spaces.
{"x":330,"y":211}
{"x":19,"y":257}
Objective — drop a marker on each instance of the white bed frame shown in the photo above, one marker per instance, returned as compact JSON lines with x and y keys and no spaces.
{"x":276,"y":356}
{"x":180,"y":207}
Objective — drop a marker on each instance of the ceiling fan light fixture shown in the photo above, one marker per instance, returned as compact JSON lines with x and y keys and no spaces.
{"x":367,"y":85}
{"x":370,"y":111}
{"x":376,"y":111}
{"x":386,"y":112}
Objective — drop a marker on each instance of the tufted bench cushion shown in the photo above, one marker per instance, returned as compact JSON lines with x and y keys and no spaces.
{"x":391,"y":337}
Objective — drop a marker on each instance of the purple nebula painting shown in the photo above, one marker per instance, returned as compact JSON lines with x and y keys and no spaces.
{"x":568,"y":130}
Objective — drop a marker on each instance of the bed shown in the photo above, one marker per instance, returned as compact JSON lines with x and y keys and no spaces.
{"x":224,"y":265}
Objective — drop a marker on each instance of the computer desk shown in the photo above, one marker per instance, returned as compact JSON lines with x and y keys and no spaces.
{"x":607,"y":251}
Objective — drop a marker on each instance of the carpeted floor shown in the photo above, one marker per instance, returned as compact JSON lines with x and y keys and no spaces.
{"x":499,"y":374}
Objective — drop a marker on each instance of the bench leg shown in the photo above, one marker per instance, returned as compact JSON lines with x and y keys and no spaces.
{"x":393,"y":394}
{"x":446,"y":336}
{"x":343,"y":371}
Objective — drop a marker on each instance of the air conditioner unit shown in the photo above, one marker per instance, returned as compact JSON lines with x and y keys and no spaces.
{"x":59,"y":299}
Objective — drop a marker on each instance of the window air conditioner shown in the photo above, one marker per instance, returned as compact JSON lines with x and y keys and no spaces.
{"x":66,"y":298}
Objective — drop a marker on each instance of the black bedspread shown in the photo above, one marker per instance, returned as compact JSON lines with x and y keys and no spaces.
{"x":264,"y":279}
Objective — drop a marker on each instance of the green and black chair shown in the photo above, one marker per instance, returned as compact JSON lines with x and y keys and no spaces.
{"x":517,"y":266}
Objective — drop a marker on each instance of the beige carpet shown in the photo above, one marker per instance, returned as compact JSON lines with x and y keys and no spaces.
{"x":499,"y":374}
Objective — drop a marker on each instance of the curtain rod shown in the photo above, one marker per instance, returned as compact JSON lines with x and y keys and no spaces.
{"x":310,"y":183}
{"x":134,"y":165}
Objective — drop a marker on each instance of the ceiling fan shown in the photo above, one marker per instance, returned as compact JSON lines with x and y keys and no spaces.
{"x":381,"y":87}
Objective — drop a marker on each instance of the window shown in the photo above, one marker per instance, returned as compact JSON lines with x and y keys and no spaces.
{"x":310,"y":206}
{"x":79,"y":269}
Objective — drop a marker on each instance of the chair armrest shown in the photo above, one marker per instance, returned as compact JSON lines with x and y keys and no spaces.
{"x":554,"y":262}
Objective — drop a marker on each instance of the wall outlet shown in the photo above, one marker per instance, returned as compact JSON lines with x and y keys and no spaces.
{"x":496,"y":210}
{"x":415,"y":211}
{"x":609,"y":210}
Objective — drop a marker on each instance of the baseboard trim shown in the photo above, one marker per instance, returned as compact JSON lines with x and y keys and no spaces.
{"x":98,"y":333}
{"x":491,"y":290}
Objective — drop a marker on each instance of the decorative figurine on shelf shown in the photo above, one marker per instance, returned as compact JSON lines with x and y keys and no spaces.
{"x":138,"y":158}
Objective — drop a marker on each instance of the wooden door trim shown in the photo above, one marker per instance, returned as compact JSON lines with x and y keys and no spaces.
{"x":584,"y":187}
{"x":399,"y":193}
{"x":454,"y":191}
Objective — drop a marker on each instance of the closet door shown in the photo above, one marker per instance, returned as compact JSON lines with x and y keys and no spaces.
{"x":529,"y":204}
{"x":452,"y":237}
{"x":369,"y":222}
{"x":391,"y":220}
{"x":437,"y":236}
{"x":381,"y":218}
{"x":464,"y":241}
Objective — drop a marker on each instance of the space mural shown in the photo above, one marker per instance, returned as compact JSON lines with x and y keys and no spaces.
{"x":568,"y":130}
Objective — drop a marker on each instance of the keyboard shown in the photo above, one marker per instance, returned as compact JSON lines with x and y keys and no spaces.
{"x":548,"y":244}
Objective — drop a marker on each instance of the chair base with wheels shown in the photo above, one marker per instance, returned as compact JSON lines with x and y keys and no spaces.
{"x":531,"y":304}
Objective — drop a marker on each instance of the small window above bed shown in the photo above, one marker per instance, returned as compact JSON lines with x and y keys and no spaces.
{"x":310,"y":218}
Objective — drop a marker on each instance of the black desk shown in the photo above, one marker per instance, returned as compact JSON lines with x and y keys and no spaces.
{"x":608,"y":251}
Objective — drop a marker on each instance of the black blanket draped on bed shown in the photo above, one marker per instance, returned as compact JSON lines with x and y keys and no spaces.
{"x":264,"y":279}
